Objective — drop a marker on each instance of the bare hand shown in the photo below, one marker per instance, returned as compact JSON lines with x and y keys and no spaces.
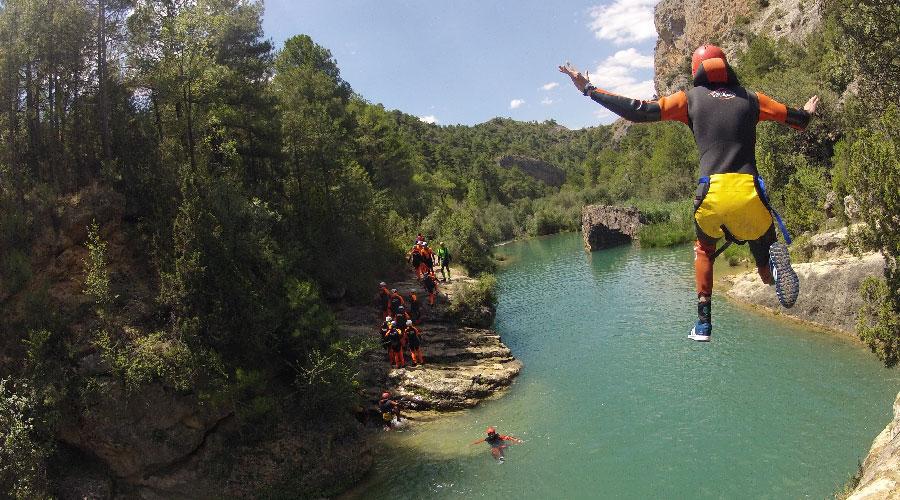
{"x":580,"y":81}
{"x":810,"y":106}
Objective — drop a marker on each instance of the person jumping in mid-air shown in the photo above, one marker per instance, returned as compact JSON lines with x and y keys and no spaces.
{"x":730,"y":201}
{"x":497,"y":442}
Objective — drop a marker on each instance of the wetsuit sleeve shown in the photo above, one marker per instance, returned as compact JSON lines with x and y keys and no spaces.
{"x":673,"y":107}
{"x":772,"y":110}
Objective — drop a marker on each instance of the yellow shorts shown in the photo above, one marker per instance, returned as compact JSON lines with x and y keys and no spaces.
{"x":733,"y":201}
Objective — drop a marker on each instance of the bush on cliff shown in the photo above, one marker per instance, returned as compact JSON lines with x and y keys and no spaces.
{"x":473,"y":304}
{"x":23,"y":450}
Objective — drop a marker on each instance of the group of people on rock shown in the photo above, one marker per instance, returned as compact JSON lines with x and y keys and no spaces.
{"x":400,"y":332}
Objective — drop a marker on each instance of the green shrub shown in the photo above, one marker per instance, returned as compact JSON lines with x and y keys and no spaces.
{"x":668,"y":224}
{"x":879,"y":320}
{"x":23,"y":453}
{"x":470,"y":298}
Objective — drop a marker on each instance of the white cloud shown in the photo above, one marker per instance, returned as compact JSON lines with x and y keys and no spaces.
{"x":547,"y":101}
{"x":428,"y":119}
{"x":624,"y":21}
{"x":516,"y":103}
{"x":616,"y":74}
{"x":550,"y":86}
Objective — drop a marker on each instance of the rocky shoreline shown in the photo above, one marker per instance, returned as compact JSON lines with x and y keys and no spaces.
{"x":464,"y":365}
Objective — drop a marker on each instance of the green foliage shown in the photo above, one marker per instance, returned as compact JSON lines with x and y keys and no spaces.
{"x":804,"y":197}
{"x":668,"y":224}
{"x":470,"y":298}
{"x":879,"y":320}
{"x":326,"y":380}
{"x":97,"y":281}
{"x":867,"y":166}
{"x":23,"y":451}
{"x":156,"y":357}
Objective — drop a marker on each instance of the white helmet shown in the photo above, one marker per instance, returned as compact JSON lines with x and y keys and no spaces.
{"x":408,"y":322}
{"x":388,"y":319}
{"x":382,"y":284}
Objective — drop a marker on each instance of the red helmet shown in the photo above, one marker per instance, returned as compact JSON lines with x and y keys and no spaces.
{"x":491,"y":430}
{"x":703,"y":53}
{"x":385,"y":395}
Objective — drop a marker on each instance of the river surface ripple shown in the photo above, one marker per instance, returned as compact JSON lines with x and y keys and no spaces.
{"x":616,"y":402}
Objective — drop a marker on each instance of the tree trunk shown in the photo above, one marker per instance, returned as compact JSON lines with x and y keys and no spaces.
{"x":102,"y":83}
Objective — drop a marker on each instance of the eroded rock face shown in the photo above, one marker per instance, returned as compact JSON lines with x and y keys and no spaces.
{"x":829,"y":290}
{"x":881,"y":469}
{"x":684,"y":25}
{"x":606,"y":226}
{"x":136,"y":435}
{"x":545,"y":172}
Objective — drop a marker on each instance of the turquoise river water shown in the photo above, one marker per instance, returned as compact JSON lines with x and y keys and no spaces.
{"x":615,"y":402}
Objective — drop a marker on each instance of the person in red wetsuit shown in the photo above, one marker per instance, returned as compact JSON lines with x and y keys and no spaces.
{"x":730,"y":201}
{"x":497,"y":442}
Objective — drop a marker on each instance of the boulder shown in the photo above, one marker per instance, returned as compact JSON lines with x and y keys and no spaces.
{"x":545,"y":172}
{"x":606,"y":226}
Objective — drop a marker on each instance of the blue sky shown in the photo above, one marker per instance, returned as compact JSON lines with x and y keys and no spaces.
{"x":467,"y":61}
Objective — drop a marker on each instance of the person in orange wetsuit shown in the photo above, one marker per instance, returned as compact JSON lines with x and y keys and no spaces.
{"x":396,"y":300}
{"x":427,"y":256}
{"x":497,"y":442}
{"x":402,"y":316}
{"x":384,"y":298}
{"x":414,"y":343}
{"x":383,"y":334}
{"x":415,"y":308}
{"x":395,"y":346}
{"x":430,"y":284}
{"x":730,"y":201}
{"x":415,"y":258}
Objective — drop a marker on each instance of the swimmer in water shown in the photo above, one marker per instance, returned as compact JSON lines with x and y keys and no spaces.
{"x":498,"y":442}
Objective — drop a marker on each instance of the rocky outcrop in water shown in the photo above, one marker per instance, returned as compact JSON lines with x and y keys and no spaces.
{"x":880,"y":478}
{"x":606,"y":226}
{"x":464,"y":365}
{"x":545,"y":172}
{"x":684,"y":25}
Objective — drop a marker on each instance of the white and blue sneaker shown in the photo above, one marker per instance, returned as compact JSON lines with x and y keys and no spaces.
{"x":787,"y":284}
{"x":701,"y":332}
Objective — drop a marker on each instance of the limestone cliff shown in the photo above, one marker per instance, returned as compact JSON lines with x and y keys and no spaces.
{"x":545,"y":172}
{"x":683,"y":25}
{"x":880,"y":478}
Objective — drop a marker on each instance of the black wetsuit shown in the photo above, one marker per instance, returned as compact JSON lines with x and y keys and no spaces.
{"x":722,"y":116}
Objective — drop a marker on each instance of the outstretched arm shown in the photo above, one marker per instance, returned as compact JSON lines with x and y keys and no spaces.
{"x":513,"y":439}
{"x":673,"y":107}
{"x":772,"y":110}
{"x":476,"y":442}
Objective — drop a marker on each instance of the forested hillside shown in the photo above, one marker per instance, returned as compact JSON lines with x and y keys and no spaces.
{"x":179,"y":201}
